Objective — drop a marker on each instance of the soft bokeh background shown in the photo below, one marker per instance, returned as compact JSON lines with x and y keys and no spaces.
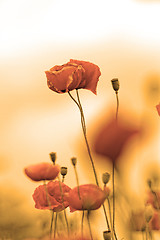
{"x":123,"y":39}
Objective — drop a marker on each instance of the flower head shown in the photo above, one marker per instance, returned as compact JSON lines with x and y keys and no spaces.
{"x":73,"y":75}
{"x":153,"y":199}
{"x":88,"y":197}
{"x":42,"y":171}
{"x":54,"y":194}
{"x":112,"y":138}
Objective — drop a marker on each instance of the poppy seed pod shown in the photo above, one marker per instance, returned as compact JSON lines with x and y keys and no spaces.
{"x":53,"y":157}
{"x":107,"y":235}
{"x":149,"y":182}
{"x":63,"y":171}
{"x":115,"y":84}
{"x":105,"y":177}
{"x":74,"y":161}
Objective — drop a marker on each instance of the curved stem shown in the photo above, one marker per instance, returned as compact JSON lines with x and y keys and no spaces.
{"x":85,"y":137}
{"x":87,"y":144}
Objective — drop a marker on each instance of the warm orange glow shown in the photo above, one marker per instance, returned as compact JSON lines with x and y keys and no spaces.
{"x":123,"y":39}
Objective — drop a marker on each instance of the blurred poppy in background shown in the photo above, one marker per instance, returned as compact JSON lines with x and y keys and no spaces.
{"x":54,"y":195}
{"x":112,"y":138}
{"x":73,"y":75}
{"x":42,"y":171}
{"x":158,"y":109}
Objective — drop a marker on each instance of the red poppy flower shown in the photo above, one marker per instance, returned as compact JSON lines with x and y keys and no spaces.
{"x":91,"y":197}
{"x":42,"y":171}
{"x":153,"y":200}
{"x":111,"y":139}
{"x":155,"y":221}
{"x":158,"y":109}
{"x":73,"y":75}
{"x":137,"y":221}
{"x":54,"y":194}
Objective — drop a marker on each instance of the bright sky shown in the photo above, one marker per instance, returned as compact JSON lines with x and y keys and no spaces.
{"x":28,"y":23}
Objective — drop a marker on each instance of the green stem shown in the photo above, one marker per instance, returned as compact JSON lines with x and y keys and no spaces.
{"x":87,"y":144}
{"x":110,"y":216}
{"x":89,"y":225}
{"x":55,"y":225}
{"x":51,"y":224}
{"x":63,"y":205}
{"x":82,"y":224}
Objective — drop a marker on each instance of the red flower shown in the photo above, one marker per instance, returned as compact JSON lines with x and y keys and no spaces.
{"x":112,"y":138}
{"x":155,"y":221}
{"x":73,"y":75}
{"x":54,"y":194}
{"x":158,"y":109}
{"x":153,"y":200}
{"x":91,"y":197}
{"x":42,"y":171}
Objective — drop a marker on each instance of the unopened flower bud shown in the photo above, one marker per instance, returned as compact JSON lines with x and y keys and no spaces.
{"x":148,"y":213}
{"x":63,"y":171}
{"x":107,"y":235}
{"x":74,"y":161}
{"x":105,"y":177}
{"x":115,"y":84}
{"x":53,"y":157}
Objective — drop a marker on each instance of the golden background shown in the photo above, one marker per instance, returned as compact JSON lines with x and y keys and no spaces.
{"x":123,"y":39}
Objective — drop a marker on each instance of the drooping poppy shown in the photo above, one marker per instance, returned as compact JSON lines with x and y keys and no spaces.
{"x":112,"y":138}
{"x":42,"y":171}
{"x":54,"y":196}
{"x":86,"y":197}
{"x":73,"y":75}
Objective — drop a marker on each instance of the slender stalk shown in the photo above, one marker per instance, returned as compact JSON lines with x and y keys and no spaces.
{"x":113,"y":172}
{"x":51,"y":224}
{"x":117,"y":105}
{"x":49,"y":203}
{"x":55,"y":225}
{"x":82,"y":224}
{"x":143,"y":235}
{"x":85,"y":137}
{"x":110,"y":216}
{"x":77,"y":180}
{"x":87,"y":144}
{"x":89,"y":225}
{"x":63,"y":205}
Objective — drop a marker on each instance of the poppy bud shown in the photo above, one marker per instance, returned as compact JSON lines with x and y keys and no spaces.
{"x":148,"y":213}
{"x":105,"y":177}
{"x":115,"y":84}
{"x":63,"y":171}
{"x":74,"y":161}
{"x":53,"y":157}
{"x":149,"y":182}
{"x":107,"y":235}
